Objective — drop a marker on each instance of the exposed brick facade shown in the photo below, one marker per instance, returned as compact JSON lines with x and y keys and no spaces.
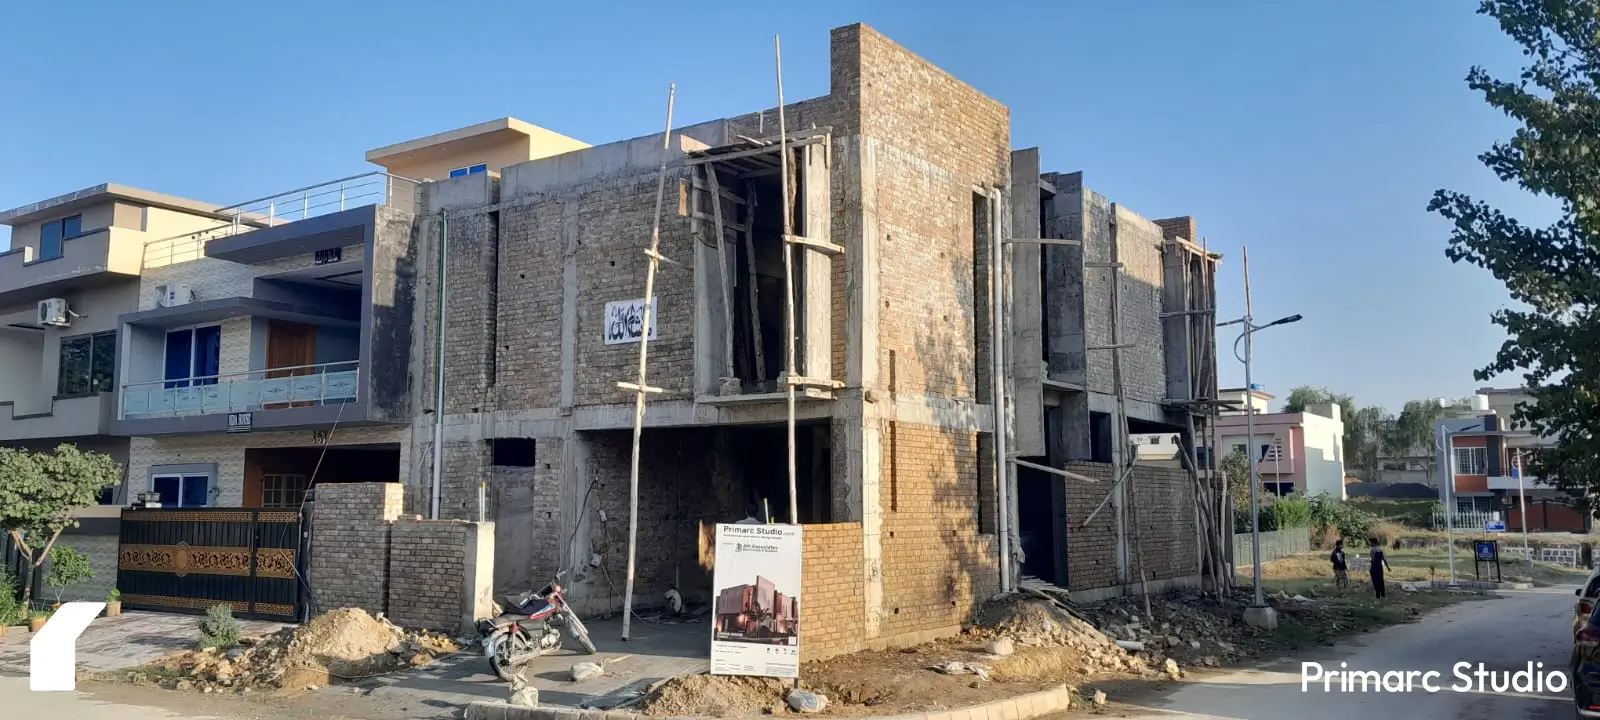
{"x":831,"y":601}
{"x":1165,"y":502}
{"x":427,"y":570}
{"x":350,"y":545}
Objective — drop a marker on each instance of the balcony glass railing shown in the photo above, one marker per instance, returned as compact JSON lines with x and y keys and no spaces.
{"x":374,"y":188}
{"x":302,"y":386}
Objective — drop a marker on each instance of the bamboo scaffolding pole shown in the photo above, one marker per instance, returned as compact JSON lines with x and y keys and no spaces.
{"x":641,"y":388}
{"x":789,"y":329}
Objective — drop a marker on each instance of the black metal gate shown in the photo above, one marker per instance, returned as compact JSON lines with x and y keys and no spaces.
{"x":187,"y":560}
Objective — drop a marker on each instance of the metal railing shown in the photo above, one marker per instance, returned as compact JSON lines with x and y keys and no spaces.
{"x":373,"y":188}
{"x":324,"y":384}
{"x":1467,"y":519}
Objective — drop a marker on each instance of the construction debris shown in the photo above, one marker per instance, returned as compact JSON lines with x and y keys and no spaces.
{"x":587,"y":670}
{"x":961,"y":668}
{"x":805,"y":701}
{"x":345,"y":644}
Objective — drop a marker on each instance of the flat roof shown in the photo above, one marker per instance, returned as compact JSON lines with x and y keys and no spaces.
{"x":98,"y":194}
{"x":1257,"y":393}
{"x":484,"y":132}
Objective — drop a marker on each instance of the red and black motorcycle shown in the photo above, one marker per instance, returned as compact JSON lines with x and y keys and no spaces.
{"x":528,"y":627}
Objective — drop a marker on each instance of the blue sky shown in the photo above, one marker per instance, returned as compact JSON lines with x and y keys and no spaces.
{"x":1313,"y":132}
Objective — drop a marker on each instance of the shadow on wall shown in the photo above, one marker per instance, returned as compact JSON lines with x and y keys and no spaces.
{"x":940,"y":557}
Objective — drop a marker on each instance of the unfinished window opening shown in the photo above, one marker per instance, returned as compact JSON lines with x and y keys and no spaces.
{"x":739,"y":201}
{"x":512,"y":452}
{"x":986,"y":486}
{"x":1100,"y":437}
{"x":1046,"y":292}
{"x":761,"y":468}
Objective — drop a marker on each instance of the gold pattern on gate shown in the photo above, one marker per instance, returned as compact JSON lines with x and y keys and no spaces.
{"x":183,"y":559}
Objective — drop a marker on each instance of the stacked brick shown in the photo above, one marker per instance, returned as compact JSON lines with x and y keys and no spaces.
{"x":1092,"y":550}
{"x":831,"y":596}
{"x":427,"y":572}
{"x":350,"y":544}
{"x":1167,"y":534}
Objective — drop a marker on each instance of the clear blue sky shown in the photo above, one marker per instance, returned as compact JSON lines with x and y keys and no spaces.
{"x":1313,"y":132}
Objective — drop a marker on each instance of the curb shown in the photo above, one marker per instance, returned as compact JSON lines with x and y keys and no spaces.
{"x":1021,"y":707}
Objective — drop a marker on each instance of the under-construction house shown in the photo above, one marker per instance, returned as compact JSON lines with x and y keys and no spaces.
{"x":864,"y":225}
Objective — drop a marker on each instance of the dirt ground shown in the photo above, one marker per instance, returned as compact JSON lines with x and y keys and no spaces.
{"x":344,"y":645}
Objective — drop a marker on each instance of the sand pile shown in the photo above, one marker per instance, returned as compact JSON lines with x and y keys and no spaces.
{"x":345,"y":644}
{"x":717,"y":696}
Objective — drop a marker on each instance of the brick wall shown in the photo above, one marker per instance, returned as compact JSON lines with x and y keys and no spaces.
{"x":530,"y":531}
{"x":467,"y":464}
{"x":1138,"y":247}
{"x":937,"y":566}
{"x":1167,"y":535}
{"x":933,"y":139}
{"x":213,"y":278}
{"x":427,"y":572}
{"x":1165,"y":501}
{"x":533,"y":242}
{"x":350,"y":545}
{"x":1179,"y":227}
{"x":1092,"y":550}
{"x":832,"y":599}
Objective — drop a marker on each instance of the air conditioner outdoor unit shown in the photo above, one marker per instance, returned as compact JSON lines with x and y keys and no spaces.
{"x":54,"y":312}
{"x":174,"y":295}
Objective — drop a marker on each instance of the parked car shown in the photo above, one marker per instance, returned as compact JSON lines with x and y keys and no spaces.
{"x":1588,"y":597}
{"x":1585,"y":666}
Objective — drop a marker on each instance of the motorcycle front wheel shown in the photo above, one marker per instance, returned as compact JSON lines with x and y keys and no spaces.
{"x":579,"y":632}
{"x":506,"y":647}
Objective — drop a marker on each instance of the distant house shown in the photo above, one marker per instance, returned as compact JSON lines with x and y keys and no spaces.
{"x":1296,"y":453}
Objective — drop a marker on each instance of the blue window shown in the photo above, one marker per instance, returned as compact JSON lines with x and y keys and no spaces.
{"x":182,"y":490}
{"x":193,"y":357}
{"x":52,"y":236}
{"x":474,"y":170}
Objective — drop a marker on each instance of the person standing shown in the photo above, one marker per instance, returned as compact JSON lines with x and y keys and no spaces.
{"x":1341,"y":576}
{"x":1379,"y":563}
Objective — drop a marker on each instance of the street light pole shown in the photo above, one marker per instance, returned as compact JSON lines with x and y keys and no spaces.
{"x":1258,"y":614}
{"x":1449,"y":479}
{"x":1250,"y":437}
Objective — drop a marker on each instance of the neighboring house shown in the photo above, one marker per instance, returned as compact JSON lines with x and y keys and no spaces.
{"x":486,"y":147}
{"x":1298,"y":453}
{"x":73,"y":268}
{"x":1416,"y":464}
{"x":1487,"y":453}
{"x":273,"y":348}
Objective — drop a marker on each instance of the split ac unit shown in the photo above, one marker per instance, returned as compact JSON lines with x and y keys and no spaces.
{"x":174,"y":295}
{"x":54,"y":312}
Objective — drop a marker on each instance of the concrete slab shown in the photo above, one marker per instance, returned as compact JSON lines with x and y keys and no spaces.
{"x":657,"y":650}
{"x":130,"y":639}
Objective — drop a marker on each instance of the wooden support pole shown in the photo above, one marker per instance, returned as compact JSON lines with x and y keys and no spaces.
{"x":642,"y":388}
{"x":722,"y":269}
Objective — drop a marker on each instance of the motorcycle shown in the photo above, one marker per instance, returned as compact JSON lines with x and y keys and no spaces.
{"x":530,"y":628}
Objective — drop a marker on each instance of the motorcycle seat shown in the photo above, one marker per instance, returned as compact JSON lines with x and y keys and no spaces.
{"x":507,"y":619}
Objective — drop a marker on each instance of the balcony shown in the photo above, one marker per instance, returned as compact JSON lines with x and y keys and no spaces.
{"x":65,"y":417}
{"x":273,"y":211}
{"x":1506,"y":482}
{"x":24,"y":276}
{"x":306,"y":386}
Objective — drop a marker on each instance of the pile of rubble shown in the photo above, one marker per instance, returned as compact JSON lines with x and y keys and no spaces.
{"x":1114,"y":647}
{"x":345,"y":644}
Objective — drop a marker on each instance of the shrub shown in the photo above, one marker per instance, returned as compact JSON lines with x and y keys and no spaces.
{"x":1291,"y":512}
{"x":218,"y":629}
{"x":1385,"y":533}
{"x":68,"y":567}
{"x":11,"y":611}
{"x":1340,"y":519}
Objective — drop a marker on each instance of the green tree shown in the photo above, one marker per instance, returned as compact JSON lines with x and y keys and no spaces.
{"x":1363,"y":426}
{"x":68,"y":567}
{"x":39,"y":491}
{"x":1236,"y":466}
{"x":1552,"y":272}
{"x":1412,"y":430}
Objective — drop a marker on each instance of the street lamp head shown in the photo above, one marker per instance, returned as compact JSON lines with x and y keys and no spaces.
{"x":1285,"y":320}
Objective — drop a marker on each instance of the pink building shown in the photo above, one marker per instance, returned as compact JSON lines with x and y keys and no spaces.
{"x":1298,"y":453}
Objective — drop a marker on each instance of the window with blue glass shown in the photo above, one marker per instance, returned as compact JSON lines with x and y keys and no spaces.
{"x":182,"y":490}
{"x":193,"y":356}
{"x":53,"y":236}
{"x":472,"y":170}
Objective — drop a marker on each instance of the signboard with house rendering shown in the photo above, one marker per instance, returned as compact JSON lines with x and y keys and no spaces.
{"x":755,"y":596}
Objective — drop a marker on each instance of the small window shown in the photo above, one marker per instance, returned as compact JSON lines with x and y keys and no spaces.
{"x":1472,"y":461}
{"x":88,"y":364}
{"x":473,"y":170}
{"x":182,"y":490}
{"x":280,"y":490}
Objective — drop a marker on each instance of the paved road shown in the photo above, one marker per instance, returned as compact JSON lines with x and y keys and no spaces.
{"x":1504,"y":634}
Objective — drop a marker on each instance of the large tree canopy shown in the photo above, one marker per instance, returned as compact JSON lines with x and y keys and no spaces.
{"x":1363,"y":426}
{"x":1553,"y":272}
{"x":39,"y":491}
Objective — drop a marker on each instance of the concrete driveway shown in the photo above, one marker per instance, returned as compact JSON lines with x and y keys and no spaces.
{"x":1504,"y":633}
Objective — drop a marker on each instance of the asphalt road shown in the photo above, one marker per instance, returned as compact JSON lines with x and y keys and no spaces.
{"x":1504,"y":634}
